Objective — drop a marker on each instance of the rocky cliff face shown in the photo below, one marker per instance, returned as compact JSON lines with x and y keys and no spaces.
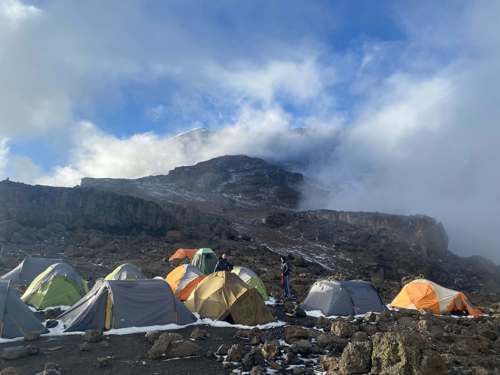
{"x":38,"y":206}
{"x":224,"y":182}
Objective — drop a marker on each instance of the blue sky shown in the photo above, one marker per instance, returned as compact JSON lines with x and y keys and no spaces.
{"x":399,"y":98}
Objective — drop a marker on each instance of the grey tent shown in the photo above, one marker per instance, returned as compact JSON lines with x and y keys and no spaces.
{"x":28,"y":269}
{"x":351,"y":297}
{"x":16,"y":318}
{"x":126,"y":303}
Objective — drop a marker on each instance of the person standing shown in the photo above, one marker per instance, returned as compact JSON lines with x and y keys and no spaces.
{"x":285,"y":273}
{"x":223,"y":264}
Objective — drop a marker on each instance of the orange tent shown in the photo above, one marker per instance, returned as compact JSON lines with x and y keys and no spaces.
{"x":424,"y":294}
{"x":183,"y":279}
{"x":183,"y":253}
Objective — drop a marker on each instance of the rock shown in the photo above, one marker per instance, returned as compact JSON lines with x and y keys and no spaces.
{"x":182,"y":349}
{"x":360,"y":336}
{"x":51,"y":368}
{"x":104,"y":361}
{"x":152,"y":336}
{"x":92,"y":335}
{"x":270,"y":349}
{"x":257,"y":370}
{"x":222,"y":350}
{"x":293,"y":333}
{"x":252,"y":358}
{"x":331,"y":342}
{"x":324,"y":323}
{"x":254,"y":337}
{"x":16,"y":352}
{"x":302,"y":347}
{"x":489,"y":334}
{"x":330,"y":364}
{"x":162,"y":344}
{"x":198,"y":334}
{"x":10,"y":371}
{"x":85,"y":347}
{"x":402,"y":353}
{"x":356,"y":358}
{"x":432,"y":363}
{"x":299,"y":312}
{"x":235,"y":353}
{"x":342,"y":328}
{"x":370,"y":317}
{"x":31,"y":336}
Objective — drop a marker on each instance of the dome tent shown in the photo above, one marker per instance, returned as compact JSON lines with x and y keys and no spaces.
{"x":16,"y":319}
{"x":126,"y":303}
{"x":183,"y":279}
{"x":252,"y":280}
{"x":224,"y":296}
{"x":181,"y":254}
{"x":125,"y":271}
{"x":205,"y":259}
{"x":424,"y":294}
{"x":352,"y":297}
{"x":58,"y":285}
{"x":26,"y":271}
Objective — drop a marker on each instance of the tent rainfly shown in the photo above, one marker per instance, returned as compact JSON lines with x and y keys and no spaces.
{"x":352,"y":297}
{"x":205,"y":259}
{"x":121,"y":304}
{"x":224,"y":296}
{"x":183,"y":279}
{"x":60,"y":284}
{"x":252,"y":280}
{"x":422,"y":294}
{"x":26,"y":271}
{"x":125,"y":271}
{"x":181,"y":254}
{"x":16,"y":319}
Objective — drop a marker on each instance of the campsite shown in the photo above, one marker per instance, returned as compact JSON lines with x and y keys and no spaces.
{"x":249,"y":187}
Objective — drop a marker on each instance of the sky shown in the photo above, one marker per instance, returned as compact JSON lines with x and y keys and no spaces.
{"x":399,"y":100}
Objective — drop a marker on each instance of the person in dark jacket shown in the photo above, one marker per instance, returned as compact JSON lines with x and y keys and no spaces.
{"x":285,"y":273}
{"x":223,"y":264}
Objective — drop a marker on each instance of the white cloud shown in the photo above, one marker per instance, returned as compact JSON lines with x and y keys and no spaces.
{"x":4,"y":153}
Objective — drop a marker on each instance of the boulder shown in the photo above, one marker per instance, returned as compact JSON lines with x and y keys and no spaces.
{"x":257,"y":370}
{"x":92,"y":335}
{"x":252,"y":358}
{"x":182,"y":349}
{"x":293,"y":333}
{"x":330,"y":364}
{"x":356,"y":358}
{"x":16,"y":352}
{"x":331,"y":342}
{"x":270,"y":349}
{"x":51,"y":368}
{"x":199,"y":334}
{"x":10,"y":371}
{"x":162,"y":344}
{"x":303,"y":347}
{"x":342,"y":328}
{"x":104,"y":361}
{"x":235,"y":353}
{"x":152,"y":336}
{"x":31,"y":336}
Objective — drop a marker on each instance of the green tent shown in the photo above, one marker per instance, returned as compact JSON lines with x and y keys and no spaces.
{"x":252,"y":280}
{"x":205,"y":259}
{"x":58,"y":285}
{"x":125,"y":271}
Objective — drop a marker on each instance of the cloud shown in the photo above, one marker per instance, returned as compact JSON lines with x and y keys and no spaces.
{"x":4,"y":152}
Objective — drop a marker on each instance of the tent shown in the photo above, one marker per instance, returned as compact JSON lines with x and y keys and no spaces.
{"x":16,"y":318}
{"x":424,"y":294}
{"x":121,"y":304}
{"x":252,"y":280}
{"x":351,"y":297}
{"x":183,"y":279}
{"x":28,"y":269}
{"x":224,"y":296}
{"x":183,"y":254}
{"x":205,"y":259}
{"x":58,"y":285}
{"x":125,"y":271}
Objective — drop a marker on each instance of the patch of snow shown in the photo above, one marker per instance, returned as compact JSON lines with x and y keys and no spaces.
{"x":271,"y":301}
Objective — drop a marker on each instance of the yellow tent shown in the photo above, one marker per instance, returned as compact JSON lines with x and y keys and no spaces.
{"x":423,"y":294}
{"x":224,"y":296}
